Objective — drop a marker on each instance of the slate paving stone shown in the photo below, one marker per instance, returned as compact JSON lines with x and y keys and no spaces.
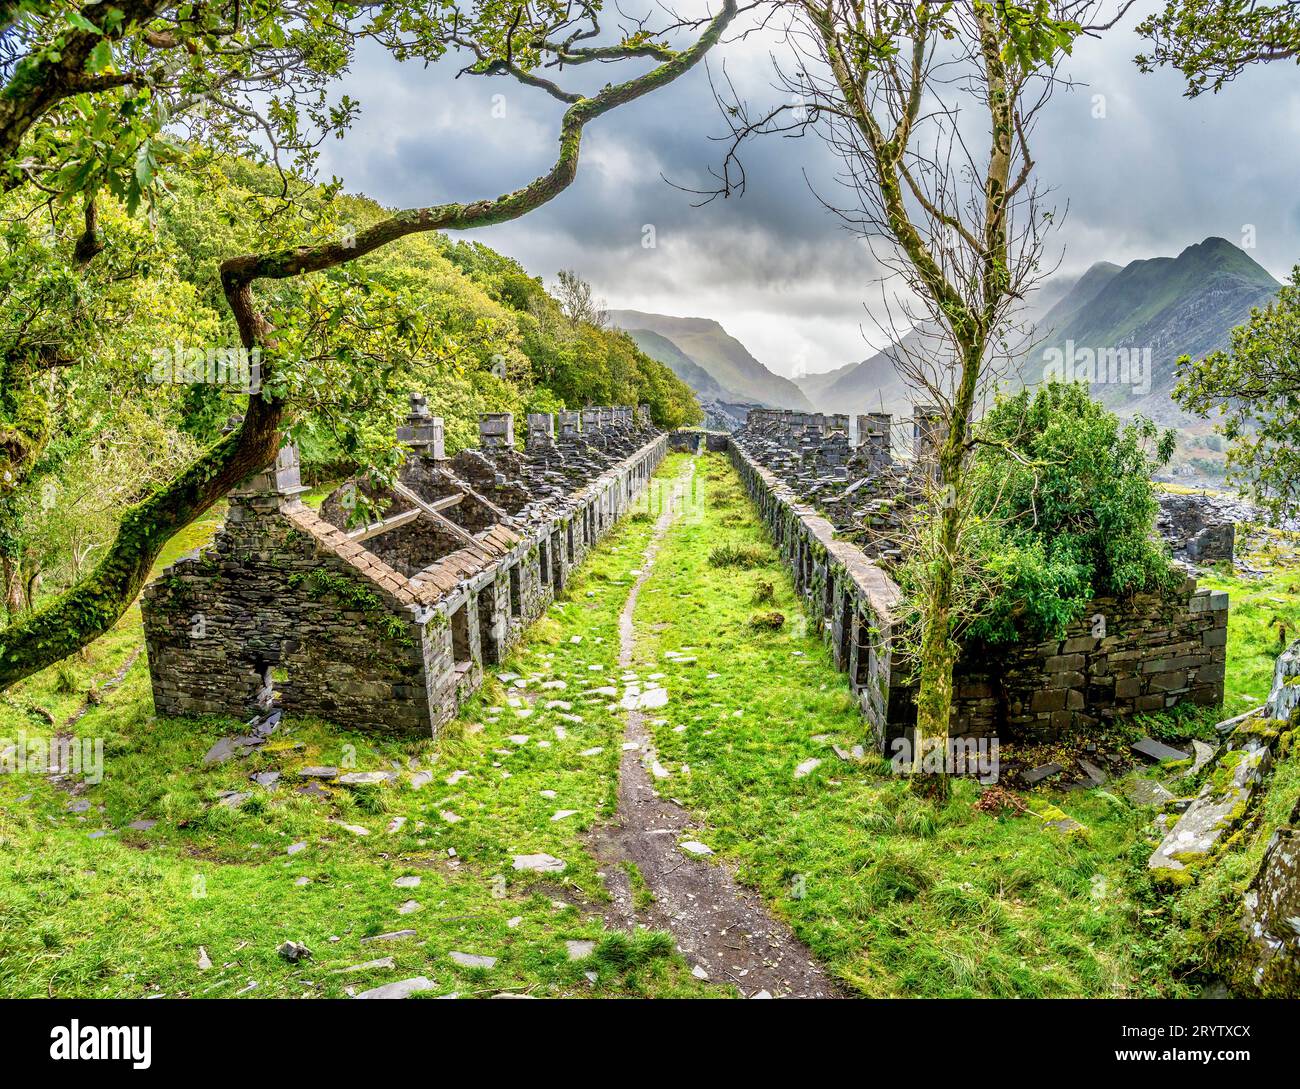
{"x":141,"y":825}
{"x":539,"y":863}
{"x":580,"y":950}
{"x":1156,"y":751}
{"x":403,"y":988}
{"x":1038,"y":774}
{"x":366,"y":966}
{"x":472,"y":960}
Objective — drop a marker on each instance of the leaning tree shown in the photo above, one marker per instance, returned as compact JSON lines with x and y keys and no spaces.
{"x":928,"y":107}
{"x":530,"y":43}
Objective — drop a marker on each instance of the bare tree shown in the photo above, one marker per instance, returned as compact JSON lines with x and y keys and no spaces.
{"x":928,"y":107}
{"x":576,"y":300}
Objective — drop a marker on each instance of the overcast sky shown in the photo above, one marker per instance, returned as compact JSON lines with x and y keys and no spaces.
{"x":1156,"y":174}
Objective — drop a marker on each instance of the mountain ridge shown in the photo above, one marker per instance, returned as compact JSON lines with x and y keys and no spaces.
{"x":721,"y":356}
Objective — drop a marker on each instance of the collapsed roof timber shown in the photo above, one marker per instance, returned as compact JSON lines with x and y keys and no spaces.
{"x":388,"y":625}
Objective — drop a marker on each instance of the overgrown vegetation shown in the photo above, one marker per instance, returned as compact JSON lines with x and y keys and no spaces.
{"x":1062,"y":510}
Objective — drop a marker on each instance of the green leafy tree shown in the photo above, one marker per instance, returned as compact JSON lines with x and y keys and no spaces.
{"x":950,"y":210}
{"x":1211,"y":42}
{"x":505,"y":39}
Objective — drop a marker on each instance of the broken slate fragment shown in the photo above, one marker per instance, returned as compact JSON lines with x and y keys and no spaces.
{"x":694,"y":847}
{"x":1146,"y":792}
{"x":222,"y":751}
{"x":390,"y":936}
{"x":1093,"y":773}
{"x":472,"y":960}
{"x":1156,"y":751}
{"x":403,"y":988}
{"x":409,"y":881}
{"x":318,"y":772}
{"x":539,"y":863}
{"x":293,"y":951}
{"x":1038,"y":774}
{"x":580,"y":950}
{"x":807,"y":767}
{"x":367,"y":778}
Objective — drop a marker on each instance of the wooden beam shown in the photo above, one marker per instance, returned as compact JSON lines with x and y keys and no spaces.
{"x":429,"y":511}
{"x":374,"y":529}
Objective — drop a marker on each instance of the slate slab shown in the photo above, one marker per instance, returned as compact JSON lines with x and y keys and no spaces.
{"x":403,"y":988}
{"x":1157,"y":751}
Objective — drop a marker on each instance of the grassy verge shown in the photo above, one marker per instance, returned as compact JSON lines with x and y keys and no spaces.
{"x":95,"y":909}
{"x":899,"y":895}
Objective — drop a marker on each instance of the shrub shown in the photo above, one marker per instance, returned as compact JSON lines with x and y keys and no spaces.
{"x":1062,"y":510}
{"x":772,"y":621}
{"x":733,"y":554}
{"x":764,"y":593}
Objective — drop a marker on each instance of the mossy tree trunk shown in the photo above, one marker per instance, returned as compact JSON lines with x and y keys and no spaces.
{"x":94,"y":605}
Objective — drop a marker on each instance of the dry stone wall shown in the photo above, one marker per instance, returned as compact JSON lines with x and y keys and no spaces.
{"x":1147,"y":654}
{"x":389,"y":626}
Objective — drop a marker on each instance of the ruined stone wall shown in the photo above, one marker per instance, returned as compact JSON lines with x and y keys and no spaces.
{"x":263,"y":610}
{"x":1147,"y":654}
{"x":332,"y":630}
{"x":1155,"y":652}
{"x":854,"y":597}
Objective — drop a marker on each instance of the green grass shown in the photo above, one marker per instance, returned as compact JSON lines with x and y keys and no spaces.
{"x":900,"y":896}
{"x":125,"y":915}
{"x":1264,"y":617}
{"x":897,"y":894}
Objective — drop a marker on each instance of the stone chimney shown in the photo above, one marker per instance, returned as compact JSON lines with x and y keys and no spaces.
{"x":541,"y":432}
{"x":929,"y":430}
{"x":874,"y":438}
{"x":276,"y":483}
{"x":570,"y":426}
{"x":422,"y":433}
{"x":496,"y":430}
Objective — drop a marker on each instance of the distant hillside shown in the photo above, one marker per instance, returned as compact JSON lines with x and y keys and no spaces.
{"x":1171,"y":305}
{"x":666,"y":352}
{"x":873,"y":385}
{"x":727,"y":362}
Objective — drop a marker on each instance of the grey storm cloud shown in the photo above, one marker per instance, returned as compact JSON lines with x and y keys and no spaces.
{"x":1154,"y":174}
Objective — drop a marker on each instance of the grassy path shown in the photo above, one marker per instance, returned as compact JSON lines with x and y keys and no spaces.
{"x":724,"y":930}
{"x":757,"y":751}
{"x":896,"y":895}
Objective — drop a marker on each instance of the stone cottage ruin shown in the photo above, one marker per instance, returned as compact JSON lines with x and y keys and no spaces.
{"x":836,"y":502}
{"x":382,"y":610}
